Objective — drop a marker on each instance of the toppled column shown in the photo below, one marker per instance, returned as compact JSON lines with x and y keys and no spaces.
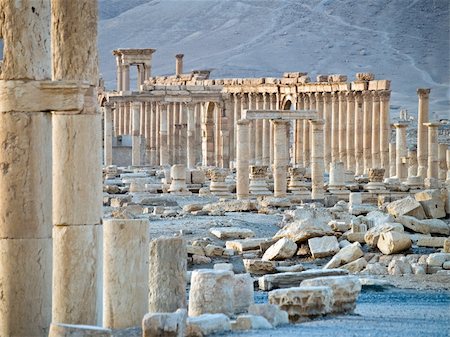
{"x":179,"y":64}
{"x":280,"y":157}
{"x":167,"y":274}
{"x":422,"y":131}
{"x":401,"y":150}
{"x":433,"y":163}
{"x":135,"y":136}
{"x":242,"y":159}
{"x":125,"y":272}
{"x":317,"y":168}
{"x":258,"y":177}
{"x":178,"y":184}
{"x":218,"y":185}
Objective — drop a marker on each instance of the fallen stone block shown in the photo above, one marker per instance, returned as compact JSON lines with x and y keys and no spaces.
{"x":339,"y":226}
{"x":287,"y":269}
{"x":301,"y":230}
{"x":286,"y":280}
{"x":259,"y":267}
{"x":447,"y":246}
{"x":427,"y":226}
{"x":345,"y":255}
{"x":270,"y":201}
{"x":164,"y":324}
{"x":356,"y":237}
{"x":378,"y":218}
{"x":225,"y":233}
{"x":355,"y":266}
{"x":323,"y":247}
{"x":213,"y":250}
{"x":303,"y":302}
{"x":243,"y":293}
{"x":393,"y":242}
{"x":406,"y":206}
{"x":72,"y":330}
{"x":244,"y":245}
{"x":446,"y":265}
{"x":271,"y":312}
{"x":251,"y":322}
{"x":375,"y":269}
{"x":433,"y":203}
{"x":430,"y":241}
{"x":399,"y":267}
{"x":230,"y":206}
{"x":195,"y":250}
{"x":282,"y":249}
{"x":223,"y":266}
{"x":207,"y":324}
{"x":418,"y":269}
{"x":438,"y":259}
{"x":345,"y":290}
{"x":373,"y":234}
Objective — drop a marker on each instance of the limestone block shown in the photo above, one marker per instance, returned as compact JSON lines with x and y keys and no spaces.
{"x":345,"y":255}
{"x":418,"y":269}
{"x":282,"y":249}
{"x":164,"y":324}
{"x":223,"y":266}
{"x":399,"y":267}
{"x":70,"y":330}
{"x":270,"y":201}
{"x":375,"y":269}
{"x":195,"y":250}
{"x":356,"y":237}
{"x":355,"y":266}
{"x":373,"y":234}
{"x":75,"y":251}
{"x":324,"y":246}
{"x":430,"y":241}
{"x":378,"y":218}
{"x":271,"y":312}
{"x":339,"y":226}
{"x":125,"y":273}
{"x":287,"y":269}
{"x":446,"y":265}
{"x":345,"y":290}
{"x":447,"y":246}
{"x":393,"y":242}
{"x":244,"y":245}
{"x":213,"y":250}
{"x":212,"y":291}
{"x":292,"y":279}
{"x":259,"y":267}
{"x":198,"y":177}
{"x":301,"y":230}
{"x":303,"y":302}
{"x":438,"y":259}
{"x":243,"y":293}
{"x":225,"y":233}
{"x":433,"y":203}
{"x":427,"y":226}
{"x":251,"y":322}
{"x":406,"y":206}
{"x":230,"y":206}
{"x":25,"y":286}
{"x":207,"y":324}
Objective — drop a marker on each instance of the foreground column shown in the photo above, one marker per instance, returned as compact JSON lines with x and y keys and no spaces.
{"x":125,"y":272}
{"x":280,"y":159}
{"x":167,"y":267}
{"x":422,"y":131}
{"x":442,"y":161}
{"x":77,"y":173}
{"x":401,"y":150}
{"x":25,"y":181}
{"x":433,"y":161}
{"x":135,"y":135}
{"x":317,"y":165}
{"x":242,"y":159}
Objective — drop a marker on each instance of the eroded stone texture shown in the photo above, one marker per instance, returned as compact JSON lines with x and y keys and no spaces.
{"x":251,"y":322}
{"x":167,"y":266}
{"x":207,"y":324}
{"x":324,"y":246}
{"x":271,"y":312}
{"x":373,"y":234}
{"x":282,"y":249}
{"x":345,"y":255}
{"x":71,"y":330}
{"x":243,"y":294}
{"x":165,"y":324}
{"x":433,"y":203}
{"x":393,"y":242}
{"x":406,"y":206}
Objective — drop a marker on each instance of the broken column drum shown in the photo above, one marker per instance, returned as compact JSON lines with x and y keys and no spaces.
{"x":258,"y":180}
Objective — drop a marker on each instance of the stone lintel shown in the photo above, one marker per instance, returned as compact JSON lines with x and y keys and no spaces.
{"x":280,"y":114}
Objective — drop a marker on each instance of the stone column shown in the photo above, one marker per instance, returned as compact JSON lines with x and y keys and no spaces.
{"x":422,"y":131}
{"x":327,"y":111}
{"x":412,"y":163}
{"x":252,"y":130}
{"x":317,"y":168}
{"x":179,"y":64}
{"x":168,"y":266}
{"x":336,"y":183}
{"x":359,"y":135}
{"x":299,"y":134}
{"x":26,"y":178}
{"x":178,"y":128}
{"x":147,"y":111}
{"x":242,"y":159}
{"x":448,"y":170}
{"x":342,"y":127}
{"x":306,"y":138}
{"x":273,"y":106}
{"x":170,"y":133}
{"x":258,"y":180}
{"x":115,"y":107}
{"x":367,"y":130}
{"x":77,"y":166}
{"x":163,"y":135}
{"x":119,"y":72}
{"x":125,"y":272}
{"x":384,"y":128}
{"x":135,"y":136}
{"x":376,"y":163}
{"x":401,"y":150}
{"x":442,"y":161}
{"x":157,"y":115}
{"x":125,"y":77}
{"x":266,"y":134}
{"x":334,"y":127}
{"x":107,"y":138}
{"x":433,"y":161}
{"x":258,"y":133}
{"x":237,"y":116}
{"x":350,"y":132}
{"x":393,"y":160}
{"x":190,"y":136}
{"x":280,"y":157}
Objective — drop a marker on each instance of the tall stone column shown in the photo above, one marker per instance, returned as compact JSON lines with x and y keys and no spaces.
{"x":266,"y":133}
{"x":376,"y":162}
{"x":121,"y":118}
{"x":327,"y":129}
{"x":433,"y":161}
{"x":157,"y":133}
{"x":237,"y":116}
{"x":118,"y":72}
{"x":125,"y":77}
{"x":170,"y":133}
{"x":350,"y":132}
{"x":153,"y":133}
{"x":442,"y":161}
{"x":342,"y":127}
{"x":147,"y":110}
{"x":359,"y":135}
{"x":107,"y":137}
{"x":26,"y":178}
{"x":77,"y":166}
{"x":242,"y":159}
{"x":179,"y":64}
{"x":384,"y":128}
{"x":299,"y":133}
{"x":306,"y":136}
{"x":258,"y":133}
{"x":280,"y":159}
{"x":393,"y":160}
{"x":135,"y":136}
{"x":367,"y":130}
{"x":317,"y":164}
{"x":115,"y":119}
{"x":334,"y":127}
{"x":163,"y":135}
{"x":190,"y":136}
{"x":401,"y":150}
{"x":273,"y":106}
{"x":422,"y":131}
{"x":252,"y":130}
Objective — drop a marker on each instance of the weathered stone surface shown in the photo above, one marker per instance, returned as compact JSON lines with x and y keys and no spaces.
{"x":207,"y":324}
{"x":271,"y":312}
{"x":283,"y":249}
{"x":301,"y":230}
{"x":406,"y":206}
{"x":345,"y":255}
{"x":250,"y":322}
{"x":223,"y":266}
{"x":225,"y":233}
{"x":433,"y":203}
{"x":447,"y":246}
{"x":244,"y":245}
{"x":355,"y":237}
{"x":428,"y":226}
{"x":355,"y":266}
{"x":195,"y":250}
{"x":168,"y":266}
{"x":373,"y":234}
{"x":393,"y":242}
{"x":375,"y":269}
{"x":71,"y":330}
{"x":287,"y":269}
{"x":345,"y":290}
{"x":275,"y":202}
{"x":438,"y":259}
{"x":430,"y":241}
{"x":301,"y":302}
{"x":290,"y":279}
{"x":339,"y":226}
{"x":212,"y":291}
{"x":399,"y":267}
{"x":230,"y":206}
{"x":324,"y":246}
{"x":259,"y":267}
{"x":213,"y":250}
{"x":243,"y":293}
{"x":378,"y":218}
{"x":164,"y":324}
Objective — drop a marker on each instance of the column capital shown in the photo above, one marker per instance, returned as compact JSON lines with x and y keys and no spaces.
{"x":243,"y":122}
{"x":385,"y":95}
{"x":366,"y":94}
{"x":400,"y":125}
{"x":326,"y":97}
{"x":423,"y":92}
{"x":350,"y":96}
{"x":318,"y":96}
{"x":334,"y":97}
{"x":342,"y":96}
{"x":311,"y":96}
{"x":375,"y":94}
{"x":432,"y":124}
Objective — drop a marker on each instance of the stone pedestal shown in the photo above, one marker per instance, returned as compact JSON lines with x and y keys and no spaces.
{"x":242,"y":159}
{"x":280,"y":157}
{"x":178,"y":184}
{"x":376,"y":176}
{"x":317,"y":163}
{"x":218,"y":185}
{"x":297,"y":184}
{"x":258,"y":180}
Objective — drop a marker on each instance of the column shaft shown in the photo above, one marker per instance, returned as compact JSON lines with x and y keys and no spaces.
{"x":350,"y":132}
{"x":422,"y":131}
{"x":367,"y":130}
{"x":107,"y":138}
{"x":280,"y":159}
{"x":384,"y":130}
{"x":190,"y":136}
{"x":335,"y":127}
{"x":135,"y":137}
{"x":266,"y":133}
{"x":317,"y":169}
{"x":376,"y":163}
{"x":401,"y":150}
{"x":359,"y":135}
{"x":163,"y":135}
{"x":242,"y":159}
{"x":342,"y":128}
{"x":327,"y":129}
